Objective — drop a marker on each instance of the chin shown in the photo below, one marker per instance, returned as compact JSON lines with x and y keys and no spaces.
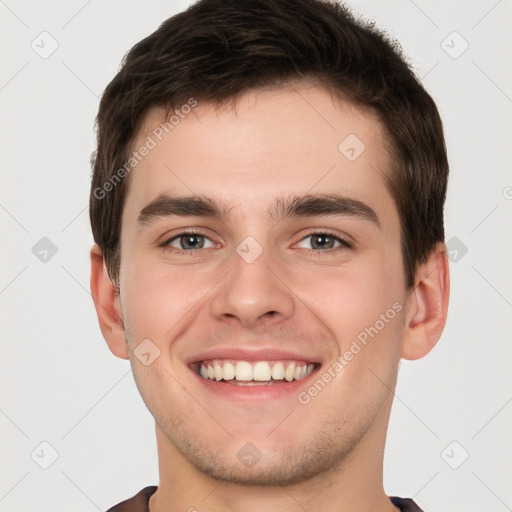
{"x":256,"y":464}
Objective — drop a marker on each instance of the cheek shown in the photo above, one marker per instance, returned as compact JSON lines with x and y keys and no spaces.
{"x":158,"y":299}
{"x":362,"y":306}
{"x":351,"y":296}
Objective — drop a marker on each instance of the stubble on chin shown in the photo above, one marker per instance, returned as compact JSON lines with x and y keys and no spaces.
{"x":324,"y":452}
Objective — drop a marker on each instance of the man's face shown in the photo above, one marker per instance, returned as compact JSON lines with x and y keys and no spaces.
{"x":259,"y":286}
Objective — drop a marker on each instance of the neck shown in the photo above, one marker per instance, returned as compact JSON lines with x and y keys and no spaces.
{"x":354,"y":485}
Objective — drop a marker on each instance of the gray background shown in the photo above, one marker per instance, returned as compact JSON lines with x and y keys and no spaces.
{"x":61,"y":385}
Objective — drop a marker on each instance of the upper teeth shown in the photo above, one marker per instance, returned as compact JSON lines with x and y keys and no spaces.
{"x":257,"y":370}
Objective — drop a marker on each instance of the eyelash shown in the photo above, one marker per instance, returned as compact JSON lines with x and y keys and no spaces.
{"x":344,"y":244}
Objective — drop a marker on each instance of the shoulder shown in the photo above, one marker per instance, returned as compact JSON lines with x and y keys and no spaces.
{"x":405,"y":504}
{"x":137,"y":503}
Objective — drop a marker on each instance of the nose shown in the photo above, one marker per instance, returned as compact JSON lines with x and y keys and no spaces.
{"x":253,"y":293}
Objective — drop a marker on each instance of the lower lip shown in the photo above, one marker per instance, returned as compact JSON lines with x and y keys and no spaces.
{"x":259,"y":392}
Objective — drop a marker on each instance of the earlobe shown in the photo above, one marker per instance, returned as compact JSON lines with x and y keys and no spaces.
{"x":106,"y":302}
{"x":428,"y":305}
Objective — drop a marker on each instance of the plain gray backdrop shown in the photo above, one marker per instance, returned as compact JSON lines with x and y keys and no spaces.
{"x":75,"y":432}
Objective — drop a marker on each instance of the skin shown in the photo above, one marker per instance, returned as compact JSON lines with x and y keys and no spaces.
{"x":326,"y":454}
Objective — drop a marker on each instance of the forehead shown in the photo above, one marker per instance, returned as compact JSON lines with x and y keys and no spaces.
{"x":268,"y":144}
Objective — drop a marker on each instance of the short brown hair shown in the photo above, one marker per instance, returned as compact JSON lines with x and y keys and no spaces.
{"x":218,"y":49}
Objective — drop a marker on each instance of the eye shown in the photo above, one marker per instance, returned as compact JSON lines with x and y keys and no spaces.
{"x":187,"y":242}
{"x":323,"y":241}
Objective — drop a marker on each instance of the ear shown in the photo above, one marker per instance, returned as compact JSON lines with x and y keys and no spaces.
{"x":106,"y":302}
{"x":427,"y":305}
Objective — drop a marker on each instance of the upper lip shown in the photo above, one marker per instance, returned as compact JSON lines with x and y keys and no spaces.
{"x":245,"y":354}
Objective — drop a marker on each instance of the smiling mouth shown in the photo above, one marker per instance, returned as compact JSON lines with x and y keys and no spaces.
{"x":254,"y":373}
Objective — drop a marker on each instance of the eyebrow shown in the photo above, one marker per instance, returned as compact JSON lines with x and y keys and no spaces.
{"x":308,"y":205}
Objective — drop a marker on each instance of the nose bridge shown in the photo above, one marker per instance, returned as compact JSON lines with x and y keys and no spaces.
{"x":252,"y":289}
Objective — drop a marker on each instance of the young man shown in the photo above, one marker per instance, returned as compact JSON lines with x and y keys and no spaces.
{"x":267,"y":206}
